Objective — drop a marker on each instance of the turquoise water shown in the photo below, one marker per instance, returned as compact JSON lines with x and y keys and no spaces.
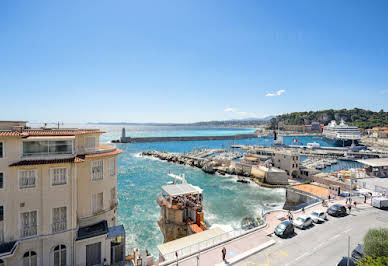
{"x":226,"y":202}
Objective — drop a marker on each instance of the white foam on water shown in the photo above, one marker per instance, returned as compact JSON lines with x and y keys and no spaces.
{"x":225,"y":227}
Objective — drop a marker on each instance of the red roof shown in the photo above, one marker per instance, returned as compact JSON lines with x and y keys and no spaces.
{"x":8,"y":133}
{"x":115,"y":152}
{"x":195,"y":228}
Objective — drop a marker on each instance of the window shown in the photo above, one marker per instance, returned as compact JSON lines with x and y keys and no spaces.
{"x":59,"y":219}
{"x":1,"y":180}
{"x":30,"y":258}
{"x":112,"y":166}
{"x":90,"y":143}
{"x":1,"y":149}
{"x":27,"y":178}
{"x":97,"y":170}
{"x":28,"y":224}
{"x":60,"y":255}
{"x":113,"y":196}
{"x":1,"y":213}
{"x":98,"y":202}
{"x":58,"y":176}
{"x":47,"y":147}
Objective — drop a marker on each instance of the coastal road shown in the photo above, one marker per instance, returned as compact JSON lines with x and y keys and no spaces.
{"x":321,"y":244}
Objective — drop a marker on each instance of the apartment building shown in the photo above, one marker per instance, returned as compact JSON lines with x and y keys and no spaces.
{"x":58,"y":197}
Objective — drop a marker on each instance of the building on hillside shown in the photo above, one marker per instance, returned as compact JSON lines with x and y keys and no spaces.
{"x":287,"y":161}
{"x":58,"y":197}
{"x":378,"y":132}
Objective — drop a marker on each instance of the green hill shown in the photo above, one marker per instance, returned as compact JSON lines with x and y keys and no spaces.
{"x":357,"y":117}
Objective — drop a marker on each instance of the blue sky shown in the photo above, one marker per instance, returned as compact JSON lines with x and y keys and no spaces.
{"x":184,"y":61}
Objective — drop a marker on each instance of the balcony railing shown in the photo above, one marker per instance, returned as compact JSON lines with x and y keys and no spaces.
{"x":59,"y":226}
{"x":30,"y":230}
{"x":97,"y":150}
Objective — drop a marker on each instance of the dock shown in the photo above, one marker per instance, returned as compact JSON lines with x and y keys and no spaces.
{"x":183,"y":138}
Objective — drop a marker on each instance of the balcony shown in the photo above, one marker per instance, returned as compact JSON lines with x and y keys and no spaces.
{"x":28,"y":230}
{"x":59,"y":226}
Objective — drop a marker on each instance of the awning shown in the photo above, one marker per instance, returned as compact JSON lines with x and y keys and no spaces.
{"x":115,"y":231}
{"x":93,"y":230}
{"x":8,"y":249}
{"x":181,"y":189}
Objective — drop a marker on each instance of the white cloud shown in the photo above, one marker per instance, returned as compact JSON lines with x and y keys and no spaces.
{"x":240,"y":113}
{"x":230,"y":109}
{"x":278,"y":93}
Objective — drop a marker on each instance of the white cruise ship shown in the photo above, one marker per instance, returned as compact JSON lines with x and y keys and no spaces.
{"x":342,"y":134}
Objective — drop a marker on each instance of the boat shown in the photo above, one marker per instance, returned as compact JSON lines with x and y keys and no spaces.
{"x":313,"y":145}
{"x":341,"y":135}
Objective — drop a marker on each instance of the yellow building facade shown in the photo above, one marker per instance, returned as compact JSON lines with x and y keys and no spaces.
{"x":58,"y":197}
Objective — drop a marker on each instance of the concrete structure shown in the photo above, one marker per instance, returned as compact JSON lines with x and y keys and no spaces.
{"x":125,"y":139}
{"x":58,"y":197}
{"x":288,"y":161}
{"x":270,"y":175}
{"x":180,"y":211}
{"x":376,"y":167}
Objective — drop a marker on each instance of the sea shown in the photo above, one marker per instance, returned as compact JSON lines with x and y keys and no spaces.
{"x":226,"y":202}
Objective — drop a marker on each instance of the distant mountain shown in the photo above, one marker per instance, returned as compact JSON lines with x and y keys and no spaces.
{"x":246,"y":122}
{"x":357,"y":117}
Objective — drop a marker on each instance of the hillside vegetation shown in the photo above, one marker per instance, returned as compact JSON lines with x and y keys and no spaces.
{"x":357,"y":117}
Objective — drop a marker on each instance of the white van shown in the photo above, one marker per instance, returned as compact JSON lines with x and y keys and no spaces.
{"x":380,"y":202}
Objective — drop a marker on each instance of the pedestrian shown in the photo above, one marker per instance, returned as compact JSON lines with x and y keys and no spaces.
{"x":355,"y":204}
{"x":329,"y":197}
{"x":223,"y":254}
{"x":350,"y":208}
{"x":105,"y":262}
{"x":350,"y":200}
{"x":364,"y":198}
{"x":303,"y":210}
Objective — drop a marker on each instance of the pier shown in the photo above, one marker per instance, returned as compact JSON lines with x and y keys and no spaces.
{"x":125,"y":139}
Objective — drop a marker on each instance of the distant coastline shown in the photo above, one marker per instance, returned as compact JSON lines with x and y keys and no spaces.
{"x":251,"y":123}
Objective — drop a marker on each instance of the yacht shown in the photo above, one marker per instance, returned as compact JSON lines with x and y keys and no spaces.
{"x":341,"y":135}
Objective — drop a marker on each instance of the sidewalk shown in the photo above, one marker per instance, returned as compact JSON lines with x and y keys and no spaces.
{"x":233,"y":248}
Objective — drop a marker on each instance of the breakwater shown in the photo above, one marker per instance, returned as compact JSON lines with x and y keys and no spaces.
{"x":208,"y":165}
{"x":125,"y":139}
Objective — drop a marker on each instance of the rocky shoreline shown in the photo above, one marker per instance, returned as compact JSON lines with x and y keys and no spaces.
{"x":208,"y":165}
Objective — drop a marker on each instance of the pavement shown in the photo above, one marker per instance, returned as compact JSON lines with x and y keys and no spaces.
{"x":321,"y":244}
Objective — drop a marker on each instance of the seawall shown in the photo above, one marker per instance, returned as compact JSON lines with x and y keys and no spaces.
{"x":184,"y":138}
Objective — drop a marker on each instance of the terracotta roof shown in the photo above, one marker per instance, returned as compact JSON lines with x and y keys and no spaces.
{"x":195,"y":228}
{"x":8,"y":133}
{"x":115,"y":152}
{"x":49,"y":132}
{"x":63,"y":132}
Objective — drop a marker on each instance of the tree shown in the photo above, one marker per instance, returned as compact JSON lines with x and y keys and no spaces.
{"x":376,"y":242}
{"x":373,"y":261}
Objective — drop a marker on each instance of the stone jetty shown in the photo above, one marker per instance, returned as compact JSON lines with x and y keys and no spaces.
{"x":208,"y":165}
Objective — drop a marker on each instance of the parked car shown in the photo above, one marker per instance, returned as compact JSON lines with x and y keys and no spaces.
{"x":380,"y":203}
{"x":284,"y":229}
{"x":344,"y":262}
{"x":358,"y":252}
{"x":318,"y":216}
{"x":337,"y":210}
{"x":303,"y":221}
